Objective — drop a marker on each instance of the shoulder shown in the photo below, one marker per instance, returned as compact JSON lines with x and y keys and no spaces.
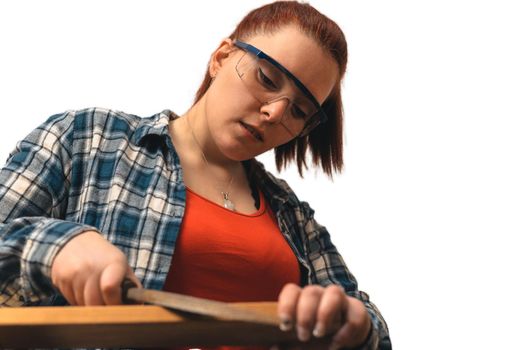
{"x":110,"y":124}
{"x":90,"y":119}
{"x":97,"y":119}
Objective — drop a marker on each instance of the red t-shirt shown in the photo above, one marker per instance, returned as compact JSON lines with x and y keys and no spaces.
{"x":229,"y":256}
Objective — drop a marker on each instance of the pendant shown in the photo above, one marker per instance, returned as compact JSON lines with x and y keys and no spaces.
{"x":227,"y":203}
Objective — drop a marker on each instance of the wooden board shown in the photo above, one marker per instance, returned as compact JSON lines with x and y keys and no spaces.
{"x":136,"y":326}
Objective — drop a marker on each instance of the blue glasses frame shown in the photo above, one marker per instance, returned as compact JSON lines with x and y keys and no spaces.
{"x":261,"y":55}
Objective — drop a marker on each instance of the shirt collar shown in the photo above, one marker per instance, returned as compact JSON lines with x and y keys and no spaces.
{"x":157,"y":124}
{"x":276,"y":189}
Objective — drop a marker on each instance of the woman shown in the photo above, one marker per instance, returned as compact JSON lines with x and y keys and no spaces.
{"x":179,"y":203}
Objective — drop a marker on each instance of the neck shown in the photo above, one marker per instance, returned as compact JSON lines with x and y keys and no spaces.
{"x":202,"y":158}
{"x":198,"y":136}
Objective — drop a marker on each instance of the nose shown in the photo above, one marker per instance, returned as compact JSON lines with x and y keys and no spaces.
{"x":275,"y":110}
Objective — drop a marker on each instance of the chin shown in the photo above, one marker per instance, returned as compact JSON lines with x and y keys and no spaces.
{"x":239,"y":154}
{"x":240,"y":157}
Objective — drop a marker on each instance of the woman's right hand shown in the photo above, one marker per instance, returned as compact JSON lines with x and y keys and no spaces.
{"x":89,"y":270}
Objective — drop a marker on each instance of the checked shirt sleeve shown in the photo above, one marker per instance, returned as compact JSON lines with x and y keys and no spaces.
{"x":329,"y":268}
{"x":34,"y":185}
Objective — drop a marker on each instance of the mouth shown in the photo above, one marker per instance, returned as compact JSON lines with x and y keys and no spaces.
{"x":259,"y":135}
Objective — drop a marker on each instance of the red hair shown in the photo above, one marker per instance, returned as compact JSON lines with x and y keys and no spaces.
{"x":325,"y":142}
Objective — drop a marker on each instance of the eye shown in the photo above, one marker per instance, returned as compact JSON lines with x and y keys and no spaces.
{"x":297,"y":112}
{"x":267,"y":82}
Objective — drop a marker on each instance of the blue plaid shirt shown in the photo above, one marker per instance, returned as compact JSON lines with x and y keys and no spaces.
{"x":119,"y":174}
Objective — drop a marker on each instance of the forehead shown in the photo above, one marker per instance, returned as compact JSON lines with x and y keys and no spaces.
{"x":302,"y":56}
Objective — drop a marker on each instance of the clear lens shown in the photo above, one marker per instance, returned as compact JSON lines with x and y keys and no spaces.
{"x":268,"y":84}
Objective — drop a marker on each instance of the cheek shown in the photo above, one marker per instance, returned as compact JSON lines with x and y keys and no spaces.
{"x":228,"y":97}
{"x":280,"y":139}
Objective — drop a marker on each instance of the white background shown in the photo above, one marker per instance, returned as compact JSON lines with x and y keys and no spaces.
{"x":429,"y":212}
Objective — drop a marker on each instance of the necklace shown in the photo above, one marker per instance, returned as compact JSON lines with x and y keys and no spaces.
{"x":226,"y":201}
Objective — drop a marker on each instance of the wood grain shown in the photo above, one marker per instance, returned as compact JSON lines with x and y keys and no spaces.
{"x":136,"y":326}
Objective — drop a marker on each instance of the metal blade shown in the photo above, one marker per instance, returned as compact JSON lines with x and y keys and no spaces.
{"x":198,"y":306}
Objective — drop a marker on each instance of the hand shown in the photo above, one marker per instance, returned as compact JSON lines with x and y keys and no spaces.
{"x":320,"y":311}
{"x":89,"y":270}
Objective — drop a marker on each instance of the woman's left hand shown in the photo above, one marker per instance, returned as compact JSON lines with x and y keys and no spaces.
{"x":317,"y":311}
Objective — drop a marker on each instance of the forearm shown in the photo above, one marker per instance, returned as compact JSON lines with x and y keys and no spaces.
{"x":28,"y":246}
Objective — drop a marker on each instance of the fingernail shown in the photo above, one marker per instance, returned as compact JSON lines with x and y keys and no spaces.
{"x":286,"y":324}
{"x":319,"y":331}
{"x":334,"y":346}
{"x":303,"y":334}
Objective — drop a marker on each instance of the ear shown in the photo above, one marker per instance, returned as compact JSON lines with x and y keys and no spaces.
{"x":219,"y":56}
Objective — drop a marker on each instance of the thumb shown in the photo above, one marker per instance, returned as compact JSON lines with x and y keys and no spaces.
{"x":131,"y":275}
{"x":110,"y":281}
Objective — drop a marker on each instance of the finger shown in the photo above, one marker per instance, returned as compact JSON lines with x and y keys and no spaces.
{"x":67,"y":292}
{"x":66,"y":284}
{"x":78,"y":285}
{"x":92,"y":292}
{"x":287,"y":305}
{"x":356,"y":327}
{"x":307,"y":310}
{"x":330,"y":310}
{"x":111,"y":281}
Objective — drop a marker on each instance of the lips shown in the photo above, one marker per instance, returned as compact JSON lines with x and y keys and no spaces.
{"x":258,"y":134}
